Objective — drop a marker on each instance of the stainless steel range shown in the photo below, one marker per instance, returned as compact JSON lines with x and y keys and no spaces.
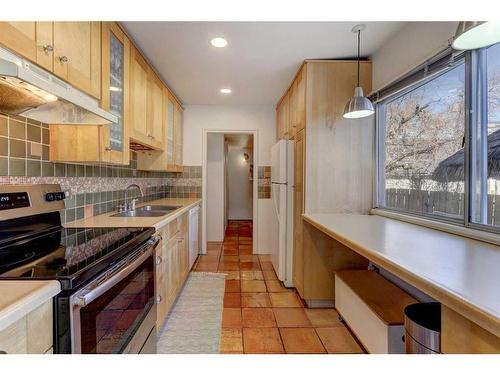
{"x":107,"y":302}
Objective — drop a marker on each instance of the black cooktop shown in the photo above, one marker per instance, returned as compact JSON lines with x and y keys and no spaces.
{"x":72,"y":256}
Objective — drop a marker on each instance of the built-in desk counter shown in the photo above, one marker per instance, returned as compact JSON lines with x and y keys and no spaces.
{"x":461,"y":273}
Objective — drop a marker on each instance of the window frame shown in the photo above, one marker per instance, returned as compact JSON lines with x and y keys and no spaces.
{"x":380,"y":105}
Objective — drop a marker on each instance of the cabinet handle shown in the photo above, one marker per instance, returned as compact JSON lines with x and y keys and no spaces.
{"x":158,"y":299}
{"x":158,"y":260}
{"x":63,"y":59}
{"x":48,"y":48}
{"x":107,"y":148}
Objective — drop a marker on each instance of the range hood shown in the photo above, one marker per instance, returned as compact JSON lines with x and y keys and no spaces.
{"x":30,"y":91}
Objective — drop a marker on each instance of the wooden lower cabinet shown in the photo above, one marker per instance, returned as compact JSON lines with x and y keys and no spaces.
{"x":298,"y":207}
{"x":322,"y":256}
{"x":172,"y":265}
{"x":31,"y":334}
{"x":459,"y":335}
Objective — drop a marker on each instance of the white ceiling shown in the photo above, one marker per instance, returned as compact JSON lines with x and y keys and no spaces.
{"x":259,"y":61}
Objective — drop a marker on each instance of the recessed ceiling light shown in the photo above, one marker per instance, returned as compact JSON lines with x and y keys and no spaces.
{"x":226,"y":91}
{"x":219,"y":42}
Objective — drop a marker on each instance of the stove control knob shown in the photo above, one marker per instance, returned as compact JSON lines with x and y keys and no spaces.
{"x":49,"y":197}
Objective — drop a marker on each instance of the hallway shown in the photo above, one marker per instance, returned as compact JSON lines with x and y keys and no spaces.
{"x":260,"y":314}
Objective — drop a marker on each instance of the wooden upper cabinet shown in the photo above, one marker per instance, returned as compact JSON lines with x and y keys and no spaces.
{"x":32,"y":40}
{"x":155,"y":114}
{"x":71,"y":50}
{"x":138,"y":96}
{"x":77,"y":55}
{"x":292,"y":110}
{"x":300,"y":101}
{"x":170,"y":130}
{"x":115,"y":93}
{"x":178,"y":119}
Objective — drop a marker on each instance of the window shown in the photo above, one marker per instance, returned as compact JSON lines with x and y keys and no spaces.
{"x":439,"y":140}
{"x":485,"y":135}
{"x":423,"y":134}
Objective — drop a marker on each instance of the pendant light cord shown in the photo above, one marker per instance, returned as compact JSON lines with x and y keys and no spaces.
{"x":359,"y":39}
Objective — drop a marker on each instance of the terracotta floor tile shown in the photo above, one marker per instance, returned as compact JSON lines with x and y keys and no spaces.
{"x":250,"y":266}
{"x":270,"y":275}
{"x":289,"y":299}
{"x":230,"y":247}
{"x":301,"y":340}
{"x":233,"y":286}
{"x":232,"y":275}
{"x":231,"y":340}
{"x":251,"y":275}
{"x":338,"y":340}
{"x":267,"y":266}
{"x":229,"y":258}
{"x":214,"y":246}
{"x":249,"y":258}
{"x":231,"y":317}
{"x":257,"y":317}
{"x":262,"y":340}
{"x":324,"y":317}
{"x":276,"y":286}
{"x":291,"y":317}
{"x":229,"y":266}
{"x":246,"y":251}
{"x":252,"y":286}
{"x":232,"y":300}
{"x":206,"y":267}
{"x":230,"y":252}
{"x":255,"y":300}
{"x":245,"y":246}
{"x":265,"y":258}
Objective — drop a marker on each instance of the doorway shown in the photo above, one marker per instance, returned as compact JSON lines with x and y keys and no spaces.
{"x":229,"y":188}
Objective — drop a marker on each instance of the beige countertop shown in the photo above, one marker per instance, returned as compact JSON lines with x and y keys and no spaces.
{"x":462,"y":273}
{"x":106,"y":220}
{"x":19,"y":298}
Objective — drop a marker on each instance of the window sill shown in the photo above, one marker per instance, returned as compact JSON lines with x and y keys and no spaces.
{"x":475,"y":234}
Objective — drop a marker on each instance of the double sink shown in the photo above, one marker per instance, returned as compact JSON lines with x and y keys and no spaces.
{"x":148,"y":211}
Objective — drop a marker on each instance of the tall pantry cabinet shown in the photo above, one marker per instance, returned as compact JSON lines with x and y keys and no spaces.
{"x":310,"y":114}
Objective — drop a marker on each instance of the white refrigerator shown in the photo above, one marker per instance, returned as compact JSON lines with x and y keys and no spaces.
{"x":282,"y":193}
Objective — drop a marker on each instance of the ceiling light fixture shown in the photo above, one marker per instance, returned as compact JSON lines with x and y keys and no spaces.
{"x":476,"y":34}
{"x":219,"y":42}
{"x":226,"y":91}
{"x":359,"y":105}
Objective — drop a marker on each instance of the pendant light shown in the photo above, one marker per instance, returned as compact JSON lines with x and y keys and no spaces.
{"x":476,"y":34}
{"x":358,"y":106}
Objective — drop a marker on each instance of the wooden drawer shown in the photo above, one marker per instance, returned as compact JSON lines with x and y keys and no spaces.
{"x":373,"y":308}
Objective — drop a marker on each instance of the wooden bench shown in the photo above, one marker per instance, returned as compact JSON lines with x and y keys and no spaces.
{"x":373,"y":308}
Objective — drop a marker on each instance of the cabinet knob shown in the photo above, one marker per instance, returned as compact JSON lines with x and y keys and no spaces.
{"x":158,"y":299}
{"x":3,"y":352}
{"x":107,"y":148}
{"x":47,"y":48}
{"x":63,"y":59}
{"x":158,"y":260}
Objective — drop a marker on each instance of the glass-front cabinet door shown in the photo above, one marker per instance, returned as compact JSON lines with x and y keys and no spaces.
{"x":115,"y":92}
{"x":170,"y":133}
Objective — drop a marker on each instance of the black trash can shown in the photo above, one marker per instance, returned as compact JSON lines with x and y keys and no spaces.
{"x":423,"y":328}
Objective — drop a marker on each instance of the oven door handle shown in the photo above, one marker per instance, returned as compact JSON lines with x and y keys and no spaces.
{"x":117,"y":274}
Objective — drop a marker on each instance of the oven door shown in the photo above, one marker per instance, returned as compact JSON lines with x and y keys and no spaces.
{"x":116,"y":312}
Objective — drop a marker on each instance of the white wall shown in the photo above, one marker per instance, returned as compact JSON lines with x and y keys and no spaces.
{"x":199,"y":117}
{"x":238,"y":183}
{"x":215,"y":188}
{"x":411,"y":46}
{"x":240,"y":117}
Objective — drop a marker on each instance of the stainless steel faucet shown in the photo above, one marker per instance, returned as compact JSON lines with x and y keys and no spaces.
{"x":131,"y":206}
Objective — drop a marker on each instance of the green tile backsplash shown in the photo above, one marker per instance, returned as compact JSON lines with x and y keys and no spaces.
{"x":93,"y":188}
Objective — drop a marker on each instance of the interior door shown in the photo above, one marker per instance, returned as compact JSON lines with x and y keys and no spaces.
{"x":77,"y":55}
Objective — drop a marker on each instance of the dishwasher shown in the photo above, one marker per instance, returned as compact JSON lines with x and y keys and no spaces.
{"x":194,"y":243}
